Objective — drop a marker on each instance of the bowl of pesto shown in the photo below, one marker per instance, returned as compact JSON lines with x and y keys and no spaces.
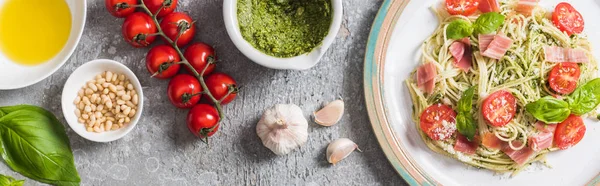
{"x":283,"y":34}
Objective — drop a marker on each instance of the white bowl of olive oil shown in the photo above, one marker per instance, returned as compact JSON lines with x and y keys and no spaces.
{"x":36,"y":38}
{"x":264,"y":17}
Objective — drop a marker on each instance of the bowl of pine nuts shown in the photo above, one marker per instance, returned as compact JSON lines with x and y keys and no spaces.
{"x":102,"y":100}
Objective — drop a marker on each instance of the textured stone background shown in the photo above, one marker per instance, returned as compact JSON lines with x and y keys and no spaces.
{"x":161,"y":150}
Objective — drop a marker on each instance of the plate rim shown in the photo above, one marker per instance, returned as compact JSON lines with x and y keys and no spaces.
{"x":377,"y":44}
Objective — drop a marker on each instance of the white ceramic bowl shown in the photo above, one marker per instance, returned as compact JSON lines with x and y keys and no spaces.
{"x":80,"y":77}
{"x":301,"y":62}
{"x":13,"y":76}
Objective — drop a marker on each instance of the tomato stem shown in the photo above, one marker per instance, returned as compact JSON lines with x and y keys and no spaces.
{"x":184,"y":61}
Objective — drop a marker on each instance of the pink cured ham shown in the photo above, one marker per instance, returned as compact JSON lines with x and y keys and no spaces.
{"x":541,"y":141}
{"x":466,"y":41}
{"x":490,"y":141}
{"x":498,"y":47}
{"x":543,"y":127}
{"x":519,"y":156}
{"x":526,"y":7}
{"x":484,"y":41}
{"x":426,"y":77}
{"x":464,"y":145}
{"x":560,"y":54}
{"x":486,"y":6}
{"x":462,"y":54}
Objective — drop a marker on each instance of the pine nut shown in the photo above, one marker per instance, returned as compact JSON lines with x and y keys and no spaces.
{"x":117,"y":109}
{"x":88,"y":108}
{"x":112,"y":95}
{"x":88,"y":91}
{"x":135,"y":99}
{"x":127,"y":120}
{"x":115,"y":127}
{"x":120,"y":93}
{"x":97,"y":129}
{"x":80,"y":93}
{"x":105,"y":85}
{"x":99,"y":86}
{"x":80,"y":120}
{"x":112,"y":88}
{"x":81,"y":106}
{"x":127,"y":111}
{"x":77,"y":100}
{"x":109,"y":104}
{"x":93,"y":98}
{"x":98,"y":114}
{"x":130,"y":86}
{"x":132,"y":113}
{"x":121,"y":77}
{"x":108,"y":125}
{"x":92,"y":86}
{"x":130,"y":104}
{"x":120,"y":102}
{"x":89,"y":129}
{"x":93,"y":108}
{"x":86,"y":100}
{"x":121,"y":121}
{"x":109,"y":76}
{"x":101,"y":81}
{"x":100,"y":107}
{"x":120,"y":87}
{"x":126,"y":97}
{"x":105,"y":91}
{"x":114,"y":78}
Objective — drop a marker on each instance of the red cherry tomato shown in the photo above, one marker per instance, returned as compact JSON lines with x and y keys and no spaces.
{"x":219,"y":84}
{"x":438,"y":122}
{"x":567,"y":19}
{"x":137,"y":29}
{"x":569,"y":132}
{"x":199,"y":55}
{"x":172,"y":23}
{"x":120,"y":8}
{"x":184,"y":91}
{"x":462,"y":7}
{"x":162,"y":61}
{"x":201,"y":119}
{"x":499,"y":108}
{"x":563,"y":77}
{"x":167,"y":5}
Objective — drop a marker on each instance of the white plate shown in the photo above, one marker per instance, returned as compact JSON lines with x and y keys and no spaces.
{"x":14,"y":76}
{"x":80,"y":77}
{"x":393,"y":51}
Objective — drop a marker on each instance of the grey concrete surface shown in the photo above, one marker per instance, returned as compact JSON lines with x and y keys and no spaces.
{"x":161,"y":150}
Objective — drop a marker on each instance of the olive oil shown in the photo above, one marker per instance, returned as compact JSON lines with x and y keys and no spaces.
{"x":33,"y":31}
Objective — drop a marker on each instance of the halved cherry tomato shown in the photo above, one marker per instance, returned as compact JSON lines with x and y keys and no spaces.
{"x":184,"y":91}
{"x":172,"y":23}
{"x":567,"y":19}
{"x":462,"y":7}
{"x":563,"y":77}
{"x":201,"y":119}
{"x":438,"y":122}
{"x":199,"y":55}
{"x":499,"y":108}
{"x":162,"y":61}
{"x":219,"y":84}
{"x":167,"y":5}
{"x":569,"y":132}
{"x":138,"y":29}
{"x":120,"y":8}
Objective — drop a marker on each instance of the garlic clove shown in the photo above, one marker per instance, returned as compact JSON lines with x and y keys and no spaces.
{"x":330,"y":114}
{"x":340,"y":149}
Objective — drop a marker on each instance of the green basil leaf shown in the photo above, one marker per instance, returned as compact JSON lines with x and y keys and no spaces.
{"x":488,"y":23}
{"x":465,"y":124}
{"x":34,"y":143}
{"x":549,"y":109}
{"x":459,"y":29}
{"x":585,"y":98}
{"x":10,"y":181}
{"x":465,"y":104}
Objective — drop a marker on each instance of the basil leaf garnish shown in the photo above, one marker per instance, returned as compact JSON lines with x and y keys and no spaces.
{"x":465,"y":124}
{"x":10,"y":181}
{"x":34,"y":144}
{"x":585,"y":98}
{"x":488,"y":23}
{"x":549,"y":109}
{"x":459,"y":29}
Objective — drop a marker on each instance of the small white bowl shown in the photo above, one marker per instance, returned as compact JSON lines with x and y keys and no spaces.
{"x":80,"y":77}
{"x":301,"y":62}
{"x":14,"y":76}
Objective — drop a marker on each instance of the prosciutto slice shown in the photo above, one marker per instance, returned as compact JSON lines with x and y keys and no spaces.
{"x":461,"y":52}
{"x":484,"y":41}
{"x":490,"y":141}
{"x":519,"y":156}
{"x":543,"y":127}
{"x":464,"y":145}
{"x":541,"y":141}
{"x":526,"y":7}
{"x":486,"y":6}
{"x":560,"y":54}
{"x":498,"y":47}
{"x":426,"y":74}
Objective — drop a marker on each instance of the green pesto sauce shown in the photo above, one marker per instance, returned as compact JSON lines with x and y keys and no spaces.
{"x":284,"y":28}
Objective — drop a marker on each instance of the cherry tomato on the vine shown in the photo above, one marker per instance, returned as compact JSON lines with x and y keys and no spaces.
{"x":199,"y":55}
{"x":184,"y":91}
{"x":168,"y":6}
{"x":174,"y":22}
{"x":201,"y":119}
{"x":120,"y":8}
{"x":219,"y":84}
{"x":138,"y":29}
{"x":161,"y":61}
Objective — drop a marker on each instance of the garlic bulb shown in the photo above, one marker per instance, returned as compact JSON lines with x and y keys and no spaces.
{"x":282,"y":128}
{"x":340,"y":149}
{"x":330,"y":114}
